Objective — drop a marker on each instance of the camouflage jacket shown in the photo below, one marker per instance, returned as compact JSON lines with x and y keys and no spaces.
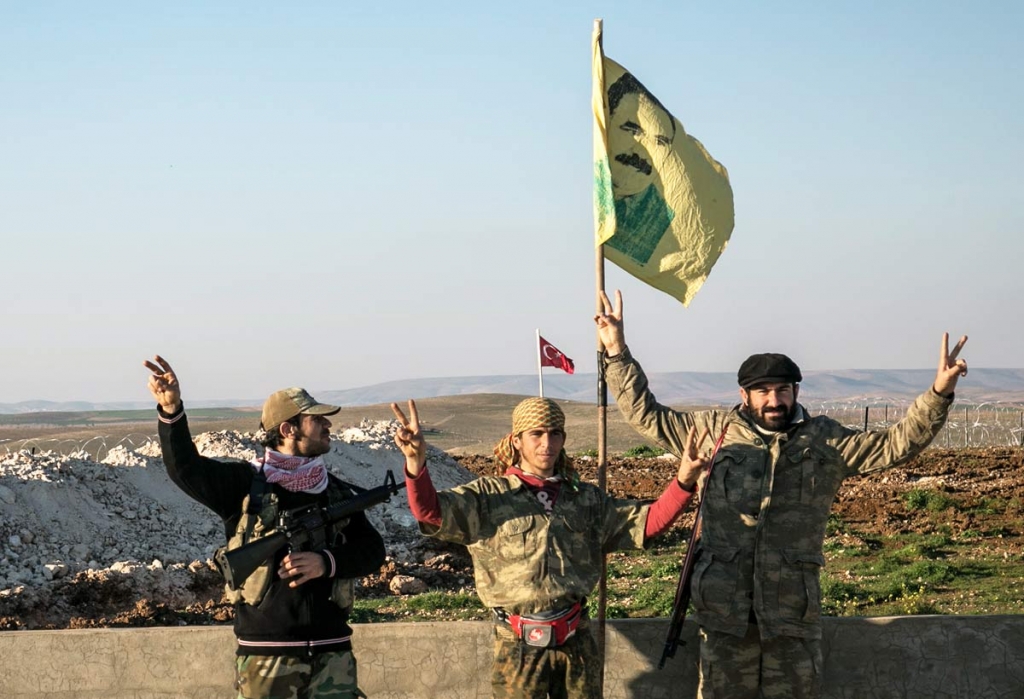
{"x":526,"y":560}
{"x":768,"y":500}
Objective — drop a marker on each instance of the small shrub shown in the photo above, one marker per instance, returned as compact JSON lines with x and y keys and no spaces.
{"x":914,"y":602}
{"x":925,"y":574}
{"x":930,"y":500}
{"x":916,"y":499}
{"x":940,"y":502}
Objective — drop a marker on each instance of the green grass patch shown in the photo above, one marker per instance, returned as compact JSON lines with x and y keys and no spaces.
{"x":988,"y":506}
{"x":930,"y":500}
{"x":835,"y":525}
{"x":938,"y":573}
{"x":914,"y":546}
{"x":429,"y":606}
{"x":841,"y":597}
{"x":836,"y":547}
{"x":643,"y":451}
{"x":643,"y":584}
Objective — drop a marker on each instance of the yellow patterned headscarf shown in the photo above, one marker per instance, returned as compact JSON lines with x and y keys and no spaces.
{"x":528,"y":415}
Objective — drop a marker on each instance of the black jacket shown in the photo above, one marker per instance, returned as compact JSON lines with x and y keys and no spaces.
{"x":288,"y":621}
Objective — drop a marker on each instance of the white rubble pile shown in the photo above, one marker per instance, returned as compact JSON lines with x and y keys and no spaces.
{"x":62,"y":514}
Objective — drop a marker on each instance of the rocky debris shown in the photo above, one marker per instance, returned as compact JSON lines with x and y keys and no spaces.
{"x":406,"y":585}
{"x":68,"y":521}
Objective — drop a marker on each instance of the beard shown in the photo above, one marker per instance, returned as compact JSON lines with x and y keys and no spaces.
{"x":772,"y":419}
{"x":311,"y":449}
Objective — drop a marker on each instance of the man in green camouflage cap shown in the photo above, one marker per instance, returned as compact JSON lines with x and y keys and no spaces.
{"x":537,"y":536}
{"x":291,"y":614}
{"x":756,"y":585}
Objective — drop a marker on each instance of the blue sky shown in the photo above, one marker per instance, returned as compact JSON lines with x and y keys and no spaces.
{"x":312,"y":193}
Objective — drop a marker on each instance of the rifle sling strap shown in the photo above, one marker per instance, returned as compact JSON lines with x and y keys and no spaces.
{"x":257,"y":490}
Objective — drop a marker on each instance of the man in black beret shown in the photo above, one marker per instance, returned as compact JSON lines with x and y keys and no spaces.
{"x":769,"y":384}
{"x":755,"y":584}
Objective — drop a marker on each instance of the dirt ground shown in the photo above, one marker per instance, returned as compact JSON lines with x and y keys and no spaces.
{"x":987,"y":483}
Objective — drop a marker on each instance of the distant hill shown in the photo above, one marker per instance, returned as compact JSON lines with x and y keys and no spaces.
{"x":861,"y":386}
{"x":81,"y":406}
{"x":702,"y":388}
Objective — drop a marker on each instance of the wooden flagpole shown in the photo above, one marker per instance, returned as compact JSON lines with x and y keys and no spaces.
{"x":602,"y":431}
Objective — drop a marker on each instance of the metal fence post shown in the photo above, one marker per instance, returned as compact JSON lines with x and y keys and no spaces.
{"x":866,"y":409}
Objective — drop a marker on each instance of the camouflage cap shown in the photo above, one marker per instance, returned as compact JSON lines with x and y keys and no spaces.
{"x":768,"y":367}
{"x":289,"y":402}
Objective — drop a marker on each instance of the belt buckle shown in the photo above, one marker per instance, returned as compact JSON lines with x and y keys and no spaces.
{"x":538,"y":635}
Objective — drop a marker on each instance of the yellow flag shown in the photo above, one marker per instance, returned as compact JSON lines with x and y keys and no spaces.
{"x":662,"y":205}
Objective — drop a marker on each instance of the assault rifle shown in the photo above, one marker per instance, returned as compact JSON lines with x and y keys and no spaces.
{"x":296,"y":529}
{"x":682,"y":599}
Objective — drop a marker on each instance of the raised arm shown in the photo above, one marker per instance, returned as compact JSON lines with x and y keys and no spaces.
{"x":870,"y":451}
{"x":423,"y":500}
{"x":667,"y":508}
{"x":628,"y":384}
{"x":218,"y":485}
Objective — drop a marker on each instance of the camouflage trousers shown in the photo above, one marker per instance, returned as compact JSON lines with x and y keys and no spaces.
{"x":322,"y":676}
{"x":783,"y":667}
{"x":570,"y":671}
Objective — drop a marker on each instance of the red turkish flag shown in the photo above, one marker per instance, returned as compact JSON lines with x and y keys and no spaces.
{"x":552,"y":356}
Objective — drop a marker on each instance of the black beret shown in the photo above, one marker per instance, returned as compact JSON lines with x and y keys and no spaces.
{"x":768,"y":368}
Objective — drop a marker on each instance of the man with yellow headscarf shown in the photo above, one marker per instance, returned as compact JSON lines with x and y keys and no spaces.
{"x":537,"y":535}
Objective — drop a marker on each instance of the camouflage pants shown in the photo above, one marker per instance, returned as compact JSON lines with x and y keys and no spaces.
{"x":751,"y":668}
{"x":323,"y":676}
{"x":570,"y":671}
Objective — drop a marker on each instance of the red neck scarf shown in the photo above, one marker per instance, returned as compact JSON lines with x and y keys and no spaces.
{"x":299,"y":474}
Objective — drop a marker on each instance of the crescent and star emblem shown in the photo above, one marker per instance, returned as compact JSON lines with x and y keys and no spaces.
{"x":548,"y":356}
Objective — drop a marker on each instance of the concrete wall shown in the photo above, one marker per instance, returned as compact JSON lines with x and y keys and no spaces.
{"x":925,"y":657}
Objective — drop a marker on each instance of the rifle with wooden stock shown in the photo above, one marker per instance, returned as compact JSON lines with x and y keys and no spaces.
{"x":682,"y":599}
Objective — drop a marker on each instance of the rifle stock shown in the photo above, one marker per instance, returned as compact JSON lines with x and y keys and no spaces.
{"x":682,"y":599}
{"x":237,"y":565}
{"x":295,"y":528}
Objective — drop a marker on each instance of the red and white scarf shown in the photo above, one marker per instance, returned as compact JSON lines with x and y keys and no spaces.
{"x":299,"y":474}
